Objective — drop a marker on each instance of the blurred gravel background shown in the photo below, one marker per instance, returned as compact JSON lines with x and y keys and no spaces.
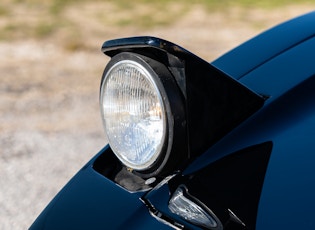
{"x":49,"y":122}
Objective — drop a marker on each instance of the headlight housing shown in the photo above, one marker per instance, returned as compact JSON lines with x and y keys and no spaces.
{"x":162,"y":106}
{"x":138,"y":113}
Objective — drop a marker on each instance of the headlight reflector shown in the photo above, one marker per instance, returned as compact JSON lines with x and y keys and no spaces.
{"x":133,"y":114}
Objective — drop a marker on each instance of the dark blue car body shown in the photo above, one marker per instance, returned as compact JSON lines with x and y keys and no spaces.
{"x":262,"y":169}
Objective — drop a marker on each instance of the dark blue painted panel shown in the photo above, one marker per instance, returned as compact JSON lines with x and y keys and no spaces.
{"x":283,"y":72}
{"x":269,"y":44}
{"x":287,"y":200}
{"x":90,"y":201}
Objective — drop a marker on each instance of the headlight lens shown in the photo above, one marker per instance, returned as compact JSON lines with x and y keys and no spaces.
{"x":133,"y":114}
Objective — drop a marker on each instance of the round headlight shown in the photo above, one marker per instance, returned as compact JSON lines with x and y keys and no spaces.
{"x":134,"y":114}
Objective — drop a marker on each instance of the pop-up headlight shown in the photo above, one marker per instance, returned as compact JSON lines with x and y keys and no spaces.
{"x":162,"y":106}
{"x":138,"y":113}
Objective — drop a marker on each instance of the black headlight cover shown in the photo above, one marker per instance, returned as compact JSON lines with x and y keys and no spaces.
{"x":213,"y":102}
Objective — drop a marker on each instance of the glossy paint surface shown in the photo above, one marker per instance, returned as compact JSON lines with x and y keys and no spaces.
{"x":90,"y":201}
{"x":264,"y":47}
